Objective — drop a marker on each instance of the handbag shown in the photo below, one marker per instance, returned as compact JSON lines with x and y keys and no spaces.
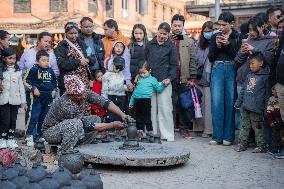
{"x":82,"y":56}
{"x":197,"y":108}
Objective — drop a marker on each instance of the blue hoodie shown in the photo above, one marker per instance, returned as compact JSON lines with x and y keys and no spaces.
{"x":43,"y":79}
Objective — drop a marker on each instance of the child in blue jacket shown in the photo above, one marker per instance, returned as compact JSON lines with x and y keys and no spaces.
{"x":42,"y":83}
{"x":140,"y":100}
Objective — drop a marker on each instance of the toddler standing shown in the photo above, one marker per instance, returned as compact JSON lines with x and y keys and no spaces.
{"x":141,"y":97}
{"x":252,"y":101}
{"x":12,"y":97}
{"x":114,"y":88}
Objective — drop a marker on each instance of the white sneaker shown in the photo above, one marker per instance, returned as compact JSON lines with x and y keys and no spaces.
{"x":12,"y":144}
{"x":226,"y":143}
{"x":30,"y":141}
{"x":213,"y":142}
{"x":3,"y":143}
{"x":41,"y":139}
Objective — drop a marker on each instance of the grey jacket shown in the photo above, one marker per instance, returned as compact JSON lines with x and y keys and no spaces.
{"x":204,"y":67}
{"x":265,"y":45}
{"x":255,"y":92}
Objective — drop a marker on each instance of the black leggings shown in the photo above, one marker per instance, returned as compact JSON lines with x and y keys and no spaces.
{"x":8,"y":120}
{"x":142,"y":109}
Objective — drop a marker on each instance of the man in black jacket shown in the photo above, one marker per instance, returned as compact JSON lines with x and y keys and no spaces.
{"x":93,"y":42}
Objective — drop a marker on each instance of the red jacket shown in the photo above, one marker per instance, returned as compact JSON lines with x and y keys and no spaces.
{"x":96,"y":109}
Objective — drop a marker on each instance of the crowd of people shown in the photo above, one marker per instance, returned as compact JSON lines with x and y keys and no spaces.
{"x":225,"y":80}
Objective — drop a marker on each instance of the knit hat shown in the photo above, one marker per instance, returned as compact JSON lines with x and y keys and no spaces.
{"x":73,"y":84}
{"x":119,"y":62}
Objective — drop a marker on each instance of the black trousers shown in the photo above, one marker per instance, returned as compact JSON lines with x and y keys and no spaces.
{"x":8,"y":120}
{"x":142,"y":109}
{"x":120,"y":102}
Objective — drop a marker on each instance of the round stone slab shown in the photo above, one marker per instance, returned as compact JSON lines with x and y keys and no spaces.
{"x":153,"y":155}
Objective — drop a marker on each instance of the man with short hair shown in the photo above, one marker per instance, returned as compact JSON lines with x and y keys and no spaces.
{"x":112,"y":34}
{"x":92,"y":40}
{"x":186,"y":69}
{"x":274,"y":17}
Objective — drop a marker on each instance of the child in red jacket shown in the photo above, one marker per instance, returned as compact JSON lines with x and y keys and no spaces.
{"x":97,"y":88}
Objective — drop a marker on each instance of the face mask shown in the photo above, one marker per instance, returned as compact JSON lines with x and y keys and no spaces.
{"x":207,"y":35}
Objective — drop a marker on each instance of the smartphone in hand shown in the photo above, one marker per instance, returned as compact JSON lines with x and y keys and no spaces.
{"x":177,"y":36}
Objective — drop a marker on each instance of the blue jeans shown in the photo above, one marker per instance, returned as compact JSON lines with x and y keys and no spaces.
{"x":223,"y":94}
{"x":38,"y":109}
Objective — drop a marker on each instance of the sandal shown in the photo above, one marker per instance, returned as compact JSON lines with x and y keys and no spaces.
{"x":258,"y":150}
{"x":239,"y":148}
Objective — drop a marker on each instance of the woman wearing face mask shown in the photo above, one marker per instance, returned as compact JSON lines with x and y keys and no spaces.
{"x":203,"y":76}
{"x":160,"y":53}
{"x":72,"y":57}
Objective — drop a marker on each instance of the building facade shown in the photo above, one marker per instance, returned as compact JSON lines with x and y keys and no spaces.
{"x":30,"y":17}
{"x":242,"y":9}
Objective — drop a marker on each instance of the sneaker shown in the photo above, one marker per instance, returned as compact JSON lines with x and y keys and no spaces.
{"x":12,"y":144}
{"x":226,"y":143}
{"x":30,"y":141}
{"x":280,"y":155}
{"x":212,"y":142}
{"x":184,"y":134}
{"x":3,"y":143}
{"x":41,"y":139}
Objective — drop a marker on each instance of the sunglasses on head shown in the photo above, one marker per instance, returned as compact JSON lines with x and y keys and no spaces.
{"x":71,"y":25}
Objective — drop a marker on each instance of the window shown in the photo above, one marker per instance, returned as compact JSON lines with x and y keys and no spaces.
{"x":142,"y":6}
{"x":93,"y":7}
{"x":58,"y":5}
{"x":124,"y":13}
{"x":155,"y":10}
{"x":109,"y":8}
{"x":22,"y":6}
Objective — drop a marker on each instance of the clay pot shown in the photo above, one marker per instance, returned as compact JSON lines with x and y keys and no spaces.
{"x":39,"y":146}
{"x":32,"y":185}
{"x":72,"y":160}
{"x":117,"y":139}
{"x":78,"y":184}
{"x":21,"y":180}
{"x":36,"y":173}
{"x":63,"y":176}
{"x":123,"y":138}
{"x":18,"y":166}
{"x":157,"y":139}
{"x":145,"y":139}
{"x":5,"y":183}
{"x":111,"y":137}
{"x":69,"y":186}
{"x":93,"y":181}
{"x":49,"y":182}
{"x":86,"y":172}
{"x":11,"y":173}
{"x":131,"y":130}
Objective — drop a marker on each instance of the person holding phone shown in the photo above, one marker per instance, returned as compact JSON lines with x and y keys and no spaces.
{"x":222,"y":51}
{"x":186,"y":65}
